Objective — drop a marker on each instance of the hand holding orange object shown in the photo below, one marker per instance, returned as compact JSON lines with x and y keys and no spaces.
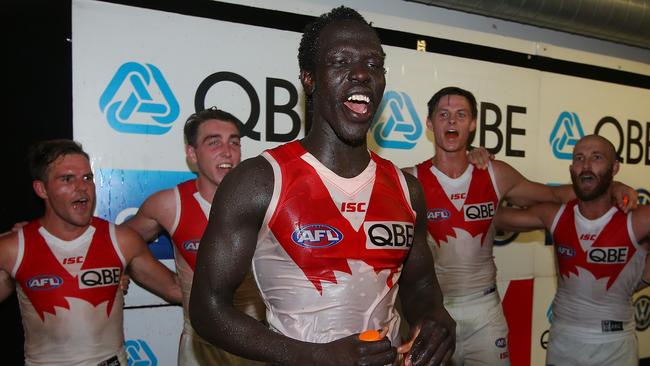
{"x":370,"y":335}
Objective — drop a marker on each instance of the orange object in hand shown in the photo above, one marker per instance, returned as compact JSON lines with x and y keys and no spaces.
{"x":626,"y":200}
{"x":370,"y":335}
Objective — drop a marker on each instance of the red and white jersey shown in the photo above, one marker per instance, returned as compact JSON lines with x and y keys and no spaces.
{"x":331,"y":249}
{"x":192,"y":212}
{"x":600,"y":264}
{"x":69,"y":296}
{"x":459,"y":224}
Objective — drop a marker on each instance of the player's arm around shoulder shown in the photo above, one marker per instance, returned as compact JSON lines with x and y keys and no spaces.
{"x":146,"y":270}
{"x":433,"y":331}
{"x":157,"y":212}
{"x":641,"y":224}
{"x":535,"y":217}
{"x":518,"y":190}
{"x":8,"y":257}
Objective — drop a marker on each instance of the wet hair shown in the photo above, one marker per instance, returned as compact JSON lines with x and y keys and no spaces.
{"x":452,"y":90}
{"x":44,"y":153}
{"x":195,"y":120}
{"x":309,"y":43}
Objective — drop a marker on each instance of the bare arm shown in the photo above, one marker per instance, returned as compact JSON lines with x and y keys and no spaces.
{"x":8,"y":255}
{"x":518,"y":190}
{"x":421,"y":295}
{"x":641,"y":223}
{"x":146,"y":270}
{"x":157,"y":212}
{"x":526,"y":219}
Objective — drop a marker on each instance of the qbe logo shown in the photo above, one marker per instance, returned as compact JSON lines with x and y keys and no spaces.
{"x":99,"y":277}
{"x":192,"y":245}
{"x":396,"y":125}
{"x":479,"y":211}
{"x":316,"y":236}
{"x":566,"y":133}
{"x":389,"y":234}
{"x":139,"y":353}
{"x":642,"y":312}
{"x":44,"y":282}
{"x":611,"y":255}
{"x":138,"y":100}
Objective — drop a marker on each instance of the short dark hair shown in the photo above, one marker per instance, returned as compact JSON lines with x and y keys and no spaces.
{"x":452,"y":90}
{"x":44,"y":153}
{"x":195,"y":120}
{"x":311,"y":34}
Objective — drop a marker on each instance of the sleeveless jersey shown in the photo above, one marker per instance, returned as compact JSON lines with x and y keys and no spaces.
{"x":331,"y":249}
{"x":191,"y":220}
{"x":459,"y":224}
{"x":600,"y":264}
{"x":69,"y":296}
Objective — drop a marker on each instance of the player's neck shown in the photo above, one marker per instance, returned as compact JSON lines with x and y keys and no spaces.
{"x":452,"y":163}
{"x":206,"y":188}
{"x":343,"y":159}
{"x":597,"y":207}
{"x":60,"y":228}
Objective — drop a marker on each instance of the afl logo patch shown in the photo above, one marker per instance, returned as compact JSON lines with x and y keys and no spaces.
{"x":316,"y":236}
{"x":44,"y":282}
{"x":191,"y":245}
{"x":437,"y":214}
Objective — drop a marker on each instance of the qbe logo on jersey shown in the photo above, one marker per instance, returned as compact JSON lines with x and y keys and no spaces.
{"x":388,"y":234}
{"x":396,"y":124}
{"x":566,"y":133}
{"x":138,"y":100}
{"x":610,"y":255}
{"x":479,"y":211}
{"x":99,"y":277}
{"x":139,"y":353}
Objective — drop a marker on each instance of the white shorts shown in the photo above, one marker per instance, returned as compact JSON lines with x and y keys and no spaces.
{"x":566,"y":349}
{"x":481,"y":330}
{"x":194,"y":351}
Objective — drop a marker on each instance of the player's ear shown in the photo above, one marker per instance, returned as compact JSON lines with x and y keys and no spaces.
{"x":190,"y":152}
{"x":39,"y":188}
{"x":307,"y":80}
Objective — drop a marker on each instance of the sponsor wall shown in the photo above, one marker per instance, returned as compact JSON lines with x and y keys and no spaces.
{"x":138,"y":73}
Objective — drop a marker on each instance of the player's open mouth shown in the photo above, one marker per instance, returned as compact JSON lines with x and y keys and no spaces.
{"x":80,"y":203}
{"x":587,"y":178}
{"x":451,"y":133}
{"x":225,"y":166}
{"x":358,"y":103}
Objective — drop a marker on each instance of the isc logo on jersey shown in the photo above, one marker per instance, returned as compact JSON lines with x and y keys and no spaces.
{"x":191,"y":245}
{"x":479,"y":211}
{"x":44,"y":282}
{"x":607,"y":255}
{"x":316,"y":236}
{"x":388,"y":234}
{"x":437,"y":214}
{"x":99,"y":277}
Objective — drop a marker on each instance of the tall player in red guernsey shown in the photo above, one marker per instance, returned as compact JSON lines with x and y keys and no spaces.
{"x":213,"y":147}
{"x":333,"y":231}
{"x":461,"y":203}
{"x":600,"y":262}
{"x":67,"y":266}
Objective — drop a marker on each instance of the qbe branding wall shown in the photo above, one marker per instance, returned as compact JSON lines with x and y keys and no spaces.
{"x":138,"y":73}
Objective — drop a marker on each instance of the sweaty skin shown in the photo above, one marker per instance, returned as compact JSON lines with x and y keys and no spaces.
{"x":350,"y":63}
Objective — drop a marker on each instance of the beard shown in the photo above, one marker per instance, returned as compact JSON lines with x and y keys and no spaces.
{"x":604,"y":181}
